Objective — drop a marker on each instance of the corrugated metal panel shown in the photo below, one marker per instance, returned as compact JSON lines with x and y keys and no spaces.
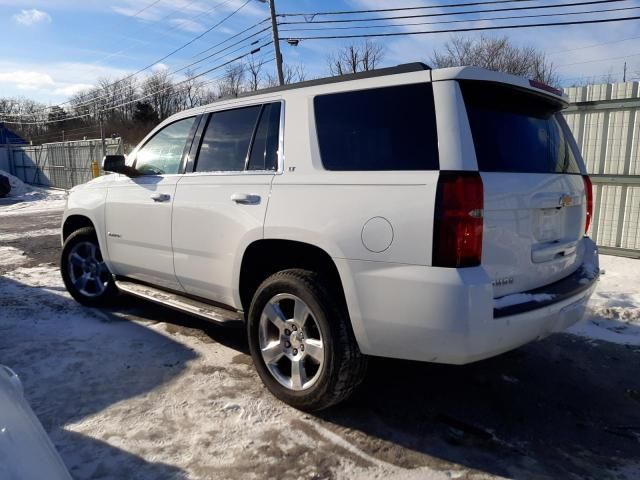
{"x":607,"y":130}
{"x":60,"y":165}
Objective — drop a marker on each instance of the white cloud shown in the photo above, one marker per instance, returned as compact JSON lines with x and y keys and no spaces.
{"x":160,"y":67}
{"x":32,"y":17}
{"x":51,"y":82}
{"x":72,"y":89}
{"x":187,"y":25}
{"x":26,"y":80}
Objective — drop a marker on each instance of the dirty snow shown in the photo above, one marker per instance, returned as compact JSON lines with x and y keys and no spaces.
{"x":518,"y":298}
{"x":7,"y":237}
{"x":613,"y":313}
{"x":174,"y":398}
{"x":11,"y":256}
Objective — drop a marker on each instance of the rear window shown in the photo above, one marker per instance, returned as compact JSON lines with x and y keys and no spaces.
{"x":391,"y":128}
{"x":518,"y":131}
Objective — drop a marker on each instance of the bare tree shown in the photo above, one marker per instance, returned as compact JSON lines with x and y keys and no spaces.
{"x":356,"y":58}
{"x":159,"y":90}
{"x":497,"y":54}
{"x":254,"y":68}
{"x":232,"y":83}
{"x":294,"y":73}
{"x":190,"y":93}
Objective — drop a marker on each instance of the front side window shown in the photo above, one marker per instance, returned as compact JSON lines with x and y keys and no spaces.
{"x":390,"y":128}
{"x":163,"y":153}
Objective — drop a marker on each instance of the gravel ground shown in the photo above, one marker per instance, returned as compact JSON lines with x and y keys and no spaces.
{"x":139,"y":391}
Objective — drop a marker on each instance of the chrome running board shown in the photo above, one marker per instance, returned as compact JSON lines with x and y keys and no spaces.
{"x":180,"y":303}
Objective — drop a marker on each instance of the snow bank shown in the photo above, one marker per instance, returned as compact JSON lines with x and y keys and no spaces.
{"x":24,"y":192}
{"x":18,"y":187}
{"x":31,"y":199}
{"x":614,"y":309}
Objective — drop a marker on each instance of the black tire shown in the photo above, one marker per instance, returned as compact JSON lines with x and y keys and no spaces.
{"x":344,"y":366}
{"x":83,"y":236}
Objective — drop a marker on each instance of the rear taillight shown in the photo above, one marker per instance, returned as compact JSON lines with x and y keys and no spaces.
{"x":457,"y":237}
{"x":588,"y":193}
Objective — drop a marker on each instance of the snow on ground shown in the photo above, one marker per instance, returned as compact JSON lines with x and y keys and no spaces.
{"x":176,"y":404}
{"x":133,"y":393}
{"x":614,"y":309}
{"x":27,"y":199}
{"x":18,"y":187}
{"x":8,"y":237}
{"x":11,"y":256}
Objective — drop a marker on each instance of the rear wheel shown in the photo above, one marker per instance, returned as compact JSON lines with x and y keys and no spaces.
{"x":302,"y":343}
{"x":84,"y":272}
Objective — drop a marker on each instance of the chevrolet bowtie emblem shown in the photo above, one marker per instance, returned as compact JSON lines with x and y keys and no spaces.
{"x":566,"y":200}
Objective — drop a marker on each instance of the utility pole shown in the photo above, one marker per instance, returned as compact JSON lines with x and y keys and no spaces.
{"x":624,"y":74}
{"x":104,"y":145}
{"x":276,"y":41}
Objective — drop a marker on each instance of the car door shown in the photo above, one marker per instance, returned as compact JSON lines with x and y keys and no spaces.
{"x":138,"y":208}
{"x":219,"y":209}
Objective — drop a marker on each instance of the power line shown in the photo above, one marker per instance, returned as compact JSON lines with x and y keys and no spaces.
{"x":152,"y":4}
{"x":593,"y":46}
{"x":465,"y":12}
{"x":471,"y":29}
{"x":145,"y":96}
{"x":599,"y":60}
{"x":173,"y":27}
{"x":159,"y":60}
{"x":94,"y":100}
{"x":375,"y":10}
{"x":182,"y":47}
{"x":232,"y":37}
{"x":511,"y":17}
{"x":190,"y":42}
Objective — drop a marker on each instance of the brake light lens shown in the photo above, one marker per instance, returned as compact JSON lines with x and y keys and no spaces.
{"x":588,"y":192}
{"x":457,"y":237}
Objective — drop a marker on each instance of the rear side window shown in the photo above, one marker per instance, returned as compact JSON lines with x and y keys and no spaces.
{"x":264,"y":153}
{"x":391,"y":128}
{"x":517,"y":131}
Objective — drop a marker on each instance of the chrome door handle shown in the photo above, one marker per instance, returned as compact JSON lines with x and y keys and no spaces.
{"x":245,"y":199}
{"x":160,"y":197}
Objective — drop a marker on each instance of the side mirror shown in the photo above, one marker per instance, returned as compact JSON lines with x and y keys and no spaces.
{"x":114,"y":163}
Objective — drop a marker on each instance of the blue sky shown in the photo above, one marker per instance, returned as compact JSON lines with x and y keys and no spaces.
{"x":53,"y":48}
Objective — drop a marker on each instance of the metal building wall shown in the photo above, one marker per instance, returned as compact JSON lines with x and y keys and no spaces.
{"x":605,"y":122}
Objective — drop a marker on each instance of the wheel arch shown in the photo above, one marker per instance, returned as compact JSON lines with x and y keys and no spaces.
{"x":75,"y":222}
{"x":265,"y":257}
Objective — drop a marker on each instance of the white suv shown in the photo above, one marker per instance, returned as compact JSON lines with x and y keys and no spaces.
{"x":434,"y":215}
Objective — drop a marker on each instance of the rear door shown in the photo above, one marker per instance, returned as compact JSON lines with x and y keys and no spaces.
{"x":534,"y":192}
{"x":219,"y":209}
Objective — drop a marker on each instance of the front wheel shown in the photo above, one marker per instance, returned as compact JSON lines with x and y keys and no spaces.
{"x":84,"y":272}
{"x":301,"y":341}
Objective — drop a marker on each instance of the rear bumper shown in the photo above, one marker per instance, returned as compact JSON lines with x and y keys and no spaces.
{"x":449,"y":315}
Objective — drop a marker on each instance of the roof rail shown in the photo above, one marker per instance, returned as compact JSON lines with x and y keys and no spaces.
{"x":403,"y":68}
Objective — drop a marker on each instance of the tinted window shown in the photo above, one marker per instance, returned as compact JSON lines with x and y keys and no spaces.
{"x":517,"y":131}
{"x":225,"y":144}
{"x":264,"y":153}
{"x":392,"y":128}
{"x":163,"y":153}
